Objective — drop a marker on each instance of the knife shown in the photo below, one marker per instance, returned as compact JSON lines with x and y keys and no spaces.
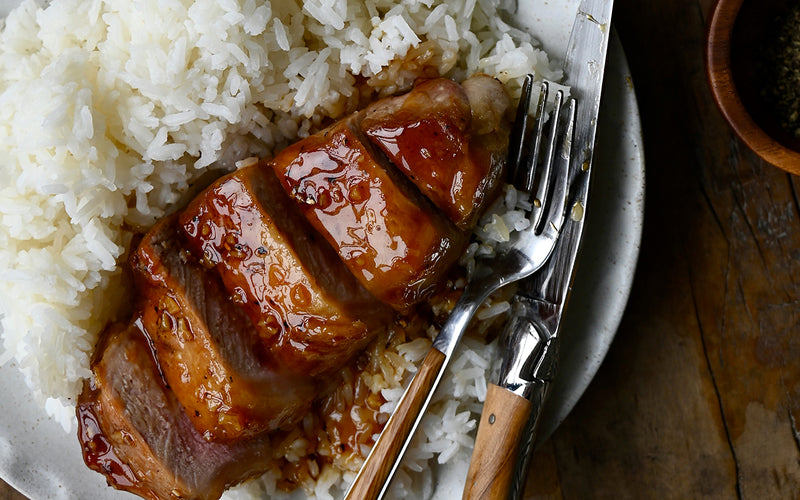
{"x":513,"y":406}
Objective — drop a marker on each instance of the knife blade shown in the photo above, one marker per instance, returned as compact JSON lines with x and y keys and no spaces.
{"x":513,"y":406}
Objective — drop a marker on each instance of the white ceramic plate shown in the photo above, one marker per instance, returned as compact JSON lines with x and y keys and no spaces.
{"x":43,"y":462}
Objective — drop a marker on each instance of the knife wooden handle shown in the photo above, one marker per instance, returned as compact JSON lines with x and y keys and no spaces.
{"x":369,"y":482}
{"x":497,"y":445}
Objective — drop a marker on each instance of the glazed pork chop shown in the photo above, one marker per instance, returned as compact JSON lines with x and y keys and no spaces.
{"x":390,"y":236}
{"x":311,"y":314}
{"x":207,"y":348}
{"x":448,"y":139}
{"x":252,"y":298}
{"x":133,"y":429}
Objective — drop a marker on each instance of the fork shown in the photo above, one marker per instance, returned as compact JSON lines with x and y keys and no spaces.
{"x":538,"y":169}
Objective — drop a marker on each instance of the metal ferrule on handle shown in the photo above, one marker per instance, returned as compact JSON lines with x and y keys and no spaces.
{"x":531,"y":351}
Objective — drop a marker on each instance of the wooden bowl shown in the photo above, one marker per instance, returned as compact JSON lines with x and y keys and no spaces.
{"x":736,"y":36}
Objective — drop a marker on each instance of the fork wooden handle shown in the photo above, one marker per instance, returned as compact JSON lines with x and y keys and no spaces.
{"x":497,"y":445}
{"x":369,"y":482}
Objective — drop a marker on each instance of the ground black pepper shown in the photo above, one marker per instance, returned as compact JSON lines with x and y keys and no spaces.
{"x":782,"y":81}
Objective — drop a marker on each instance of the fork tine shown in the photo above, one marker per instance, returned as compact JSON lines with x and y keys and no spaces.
{"x":545,"y":177}
{"x":534,"y":152}
{"x":560,"y":165}
{"x":549,"y":173}
{"x":519,"y":131}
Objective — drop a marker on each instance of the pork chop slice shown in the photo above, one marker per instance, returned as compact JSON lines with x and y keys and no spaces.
{"x":450,"y":139}
{"x":133,"y":430}
{"x":310,"y":311}
{"x":392,"y":238}
{"x":208,"y":349}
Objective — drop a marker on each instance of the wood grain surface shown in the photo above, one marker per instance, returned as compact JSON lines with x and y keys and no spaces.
{"x":500,"y":437}
{"x":699,"y":396}
{"x":9,"y":493}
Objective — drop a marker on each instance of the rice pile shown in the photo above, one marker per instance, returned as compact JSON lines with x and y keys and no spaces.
{"x":112,"y":111}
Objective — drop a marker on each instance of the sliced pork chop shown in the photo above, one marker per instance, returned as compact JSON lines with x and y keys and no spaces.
{"x":449,"y":139}
{"x":310,"y":311}
{"x":390,"y":236}
{"x":208,"y":349}
{"x":133,"y":430}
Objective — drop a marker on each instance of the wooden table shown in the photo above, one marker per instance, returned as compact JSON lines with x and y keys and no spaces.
{"x":700,"y":393}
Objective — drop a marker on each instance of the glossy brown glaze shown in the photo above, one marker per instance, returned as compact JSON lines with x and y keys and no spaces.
{"x":310,"y":311}
{"x":392,"y":239}
{"x":207,"y":347}
{"x":431,"y":136}
{"x":256,"y":300}
{"x":362,"y":410}
{"x":135,"y":432}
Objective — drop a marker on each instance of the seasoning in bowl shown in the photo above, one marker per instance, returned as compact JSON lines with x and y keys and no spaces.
{"x":748,"y":44}
{"x":781,"y":91}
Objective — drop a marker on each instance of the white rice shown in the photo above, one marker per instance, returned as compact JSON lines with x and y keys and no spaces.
{"x":111,"y":110}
